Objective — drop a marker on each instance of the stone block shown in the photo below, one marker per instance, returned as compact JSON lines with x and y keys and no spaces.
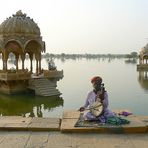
{"x":43,"y":126}
{"x":71,"y":114}
{"x":135,"y":126}
{"x":46,"y":120}
{"x":14,"y":119}
{"x":16,"y":126}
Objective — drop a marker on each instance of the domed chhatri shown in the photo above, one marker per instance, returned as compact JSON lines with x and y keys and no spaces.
{"x":19,"y":24}
{"x":142,"y":67}
{"x":143,"y":58}
{"x":20,"y":37}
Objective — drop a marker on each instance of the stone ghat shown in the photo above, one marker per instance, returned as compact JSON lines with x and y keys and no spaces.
{"x":138,"y":124}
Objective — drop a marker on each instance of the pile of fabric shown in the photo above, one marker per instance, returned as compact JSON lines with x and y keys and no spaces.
{"x":117,"y":121}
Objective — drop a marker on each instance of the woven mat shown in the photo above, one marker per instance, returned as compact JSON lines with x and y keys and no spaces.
{"x":87,"y":123}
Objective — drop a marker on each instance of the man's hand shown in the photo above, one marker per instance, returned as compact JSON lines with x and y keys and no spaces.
{"x":81,"y":109}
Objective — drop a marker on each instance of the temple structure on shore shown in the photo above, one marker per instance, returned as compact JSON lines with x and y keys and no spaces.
{"x":143,"y":58}
{"x":20,"y":38}
{"x":142,"y":67}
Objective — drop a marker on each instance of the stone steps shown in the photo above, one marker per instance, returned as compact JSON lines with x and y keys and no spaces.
{"x":44,"y":87}
{"x":49,"y":93}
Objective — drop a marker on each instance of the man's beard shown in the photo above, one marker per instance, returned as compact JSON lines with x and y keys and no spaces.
{"x":97,"y":87}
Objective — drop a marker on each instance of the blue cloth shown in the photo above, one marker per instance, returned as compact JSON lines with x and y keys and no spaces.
{"x":117,"y":120}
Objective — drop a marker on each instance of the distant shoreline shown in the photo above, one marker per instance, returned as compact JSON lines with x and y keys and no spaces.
{"x":132,"y":55}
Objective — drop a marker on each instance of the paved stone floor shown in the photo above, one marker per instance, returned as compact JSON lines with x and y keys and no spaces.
{"x":56,"y":139}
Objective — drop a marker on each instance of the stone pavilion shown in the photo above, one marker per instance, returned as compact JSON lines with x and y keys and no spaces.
{"x":143,"y":58}
{"x":20,"y":36}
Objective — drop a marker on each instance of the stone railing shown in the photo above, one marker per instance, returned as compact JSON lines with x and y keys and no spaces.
{"x":53,"y":74}
{"x":14,"y":75}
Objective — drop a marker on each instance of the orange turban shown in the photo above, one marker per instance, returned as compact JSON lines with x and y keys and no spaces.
{"x":96,"y":79}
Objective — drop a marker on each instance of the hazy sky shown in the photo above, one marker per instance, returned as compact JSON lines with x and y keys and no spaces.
{"x":86,"y":26}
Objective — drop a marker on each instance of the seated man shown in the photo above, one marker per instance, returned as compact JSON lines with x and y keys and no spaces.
{"x":97,"y":94}
{"x":51,"y":65}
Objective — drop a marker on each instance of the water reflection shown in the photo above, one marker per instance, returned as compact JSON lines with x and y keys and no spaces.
{"x":27,"y":105}
{"x":143,"y":79}
{"x":131,"y":61}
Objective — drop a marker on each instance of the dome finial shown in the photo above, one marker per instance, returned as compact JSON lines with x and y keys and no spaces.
{"x":19,"y":13}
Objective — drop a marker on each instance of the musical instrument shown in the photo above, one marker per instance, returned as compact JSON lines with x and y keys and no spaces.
{"x":96,"y":108}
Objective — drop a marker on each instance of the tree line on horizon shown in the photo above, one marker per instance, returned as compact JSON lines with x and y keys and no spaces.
{"x":132,"y":55}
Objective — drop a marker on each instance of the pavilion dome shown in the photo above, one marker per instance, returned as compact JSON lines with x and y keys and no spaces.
{"x":19,"y":23}
{"x":144,"y":50}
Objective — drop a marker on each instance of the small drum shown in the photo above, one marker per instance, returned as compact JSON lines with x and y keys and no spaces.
{"x":96,"y":108}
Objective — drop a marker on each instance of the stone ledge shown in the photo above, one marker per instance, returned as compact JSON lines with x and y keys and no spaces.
{"x":18,"y":123}
{"x":137,"y":124}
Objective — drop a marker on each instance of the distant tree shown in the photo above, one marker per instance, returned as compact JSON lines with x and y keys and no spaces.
{"x":46,"y":55}
{"x":63,"y":54}
{"x":128,"y":56}
{"x":134,"y":54}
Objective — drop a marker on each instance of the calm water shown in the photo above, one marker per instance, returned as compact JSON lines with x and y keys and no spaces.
{"x":121,"y":81}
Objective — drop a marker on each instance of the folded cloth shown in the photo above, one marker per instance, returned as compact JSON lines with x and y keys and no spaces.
{"x":117,"y":120}
{"x":125,"y":113}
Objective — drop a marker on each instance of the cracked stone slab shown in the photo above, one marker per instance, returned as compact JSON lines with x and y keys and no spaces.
{"x":38,"y":139}
{"x":15,"y":140}
{"x":58,"y":140}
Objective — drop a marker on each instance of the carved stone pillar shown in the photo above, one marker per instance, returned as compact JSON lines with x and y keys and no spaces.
{"x":16,"y":59}
{"x":5,"y":58}
{"x":4,"y":64}
{"x":23,"y":59}
{"x":22,"y":64}
{"x":37,"y":69}
{"x":17,"y":64}
{"x":140,"y":61}
{"x":39,"y":66}
{"x":31,"y":65}
{"x":31,"y":58}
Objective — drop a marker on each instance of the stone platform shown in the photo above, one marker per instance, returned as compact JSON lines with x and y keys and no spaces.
{"x":18,"y":123}
{"x":138,"y":124}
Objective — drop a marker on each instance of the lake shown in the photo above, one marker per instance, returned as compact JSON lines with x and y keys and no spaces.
{"x":127,"y":88}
